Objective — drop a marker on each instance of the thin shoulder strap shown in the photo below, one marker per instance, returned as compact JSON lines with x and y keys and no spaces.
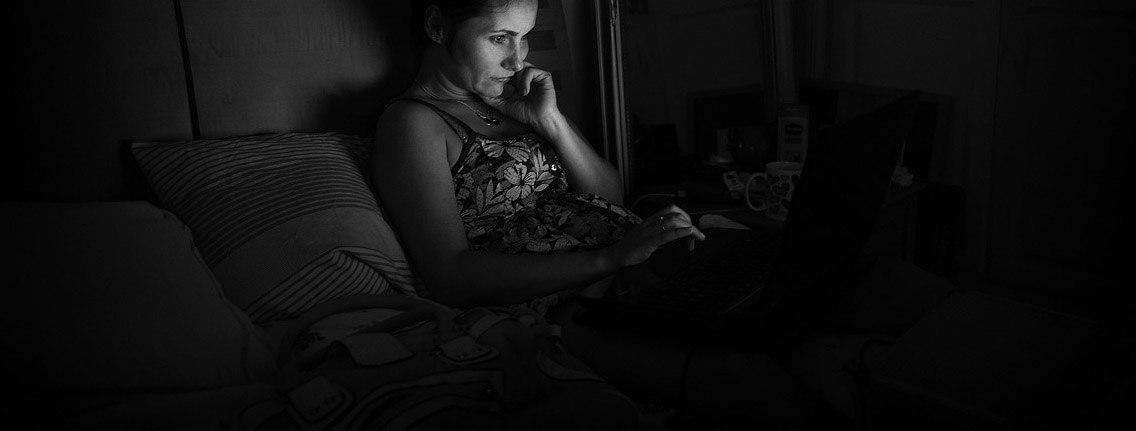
{"x":463,"y":130}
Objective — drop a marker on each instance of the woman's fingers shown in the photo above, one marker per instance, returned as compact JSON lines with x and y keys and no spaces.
{"x":667,"y":225}
{"x":531,"y":75}
{"x":673,"y":234}
{"x":674,"y":211}
{"x":673,"y":222}
{"x":674,"y":218}
{"x":699,"y":235}
{"x":670,"y":231}
{"x":526,"y":77}
{"x":521,"y":82}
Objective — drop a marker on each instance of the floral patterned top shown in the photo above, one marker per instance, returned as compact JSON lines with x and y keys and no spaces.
{"x":513,"y":197}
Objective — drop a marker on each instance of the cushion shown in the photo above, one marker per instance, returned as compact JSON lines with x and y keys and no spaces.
{"x":286,"y":221}
{"x":114,"y":296}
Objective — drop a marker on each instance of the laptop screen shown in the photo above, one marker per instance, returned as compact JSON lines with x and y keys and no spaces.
{"x":843,"y":186}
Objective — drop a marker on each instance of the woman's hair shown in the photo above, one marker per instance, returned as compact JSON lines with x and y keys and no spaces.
{"x":454,"y":12}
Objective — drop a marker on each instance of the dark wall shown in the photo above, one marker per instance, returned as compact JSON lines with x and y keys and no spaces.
{"x":93,"y":76}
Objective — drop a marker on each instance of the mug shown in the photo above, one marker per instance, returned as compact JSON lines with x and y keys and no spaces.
{"x":782,"y":178}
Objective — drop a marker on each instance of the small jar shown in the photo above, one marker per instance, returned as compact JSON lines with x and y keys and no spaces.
{"x":793,"y":132}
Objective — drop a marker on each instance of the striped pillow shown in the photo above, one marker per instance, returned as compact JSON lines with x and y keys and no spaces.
{"x":285,"y":221}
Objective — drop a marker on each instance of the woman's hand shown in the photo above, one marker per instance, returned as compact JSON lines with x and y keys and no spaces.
{"x":666,"y":225}
{"x":530,"y":97}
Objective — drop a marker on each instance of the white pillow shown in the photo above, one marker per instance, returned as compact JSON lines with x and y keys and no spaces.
{"x":286,"y":221}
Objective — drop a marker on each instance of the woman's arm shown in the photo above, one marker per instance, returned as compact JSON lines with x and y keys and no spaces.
{"x":532,"y":100}
{"x":411,"y":173}
{"x":587,"y":171}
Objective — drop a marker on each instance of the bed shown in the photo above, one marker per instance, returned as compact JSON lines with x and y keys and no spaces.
{"x":186,"y":178}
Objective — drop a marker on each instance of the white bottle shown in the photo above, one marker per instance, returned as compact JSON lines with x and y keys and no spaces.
{"x":793,"y":133}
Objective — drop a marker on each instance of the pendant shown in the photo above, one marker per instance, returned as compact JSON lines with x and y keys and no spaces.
{"x":488,"y":119}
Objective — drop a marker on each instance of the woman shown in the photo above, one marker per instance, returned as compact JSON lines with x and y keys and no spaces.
{"x":537,"y":210}
{"x":499,"y":200}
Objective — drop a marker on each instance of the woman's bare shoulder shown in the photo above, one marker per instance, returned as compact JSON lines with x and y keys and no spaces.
{"x":406,"y":118}
{"x":403,"y":110}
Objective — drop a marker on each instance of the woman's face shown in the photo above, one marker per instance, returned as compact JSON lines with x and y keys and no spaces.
{"x":487,"y":50}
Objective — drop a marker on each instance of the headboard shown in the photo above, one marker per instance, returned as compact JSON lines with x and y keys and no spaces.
{"x":92,"y":76}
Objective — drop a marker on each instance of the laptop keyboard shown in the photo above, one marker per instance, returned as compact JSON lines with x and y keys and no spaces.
{"x":717,"y":283}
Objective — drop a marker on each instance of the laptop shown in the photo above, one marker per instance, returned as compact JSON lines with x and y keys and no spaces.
{"x":757,"y":274}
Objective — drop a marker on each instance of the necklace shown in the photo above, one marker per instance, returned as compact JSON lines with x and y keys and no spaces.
{"x":489,"y":119}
